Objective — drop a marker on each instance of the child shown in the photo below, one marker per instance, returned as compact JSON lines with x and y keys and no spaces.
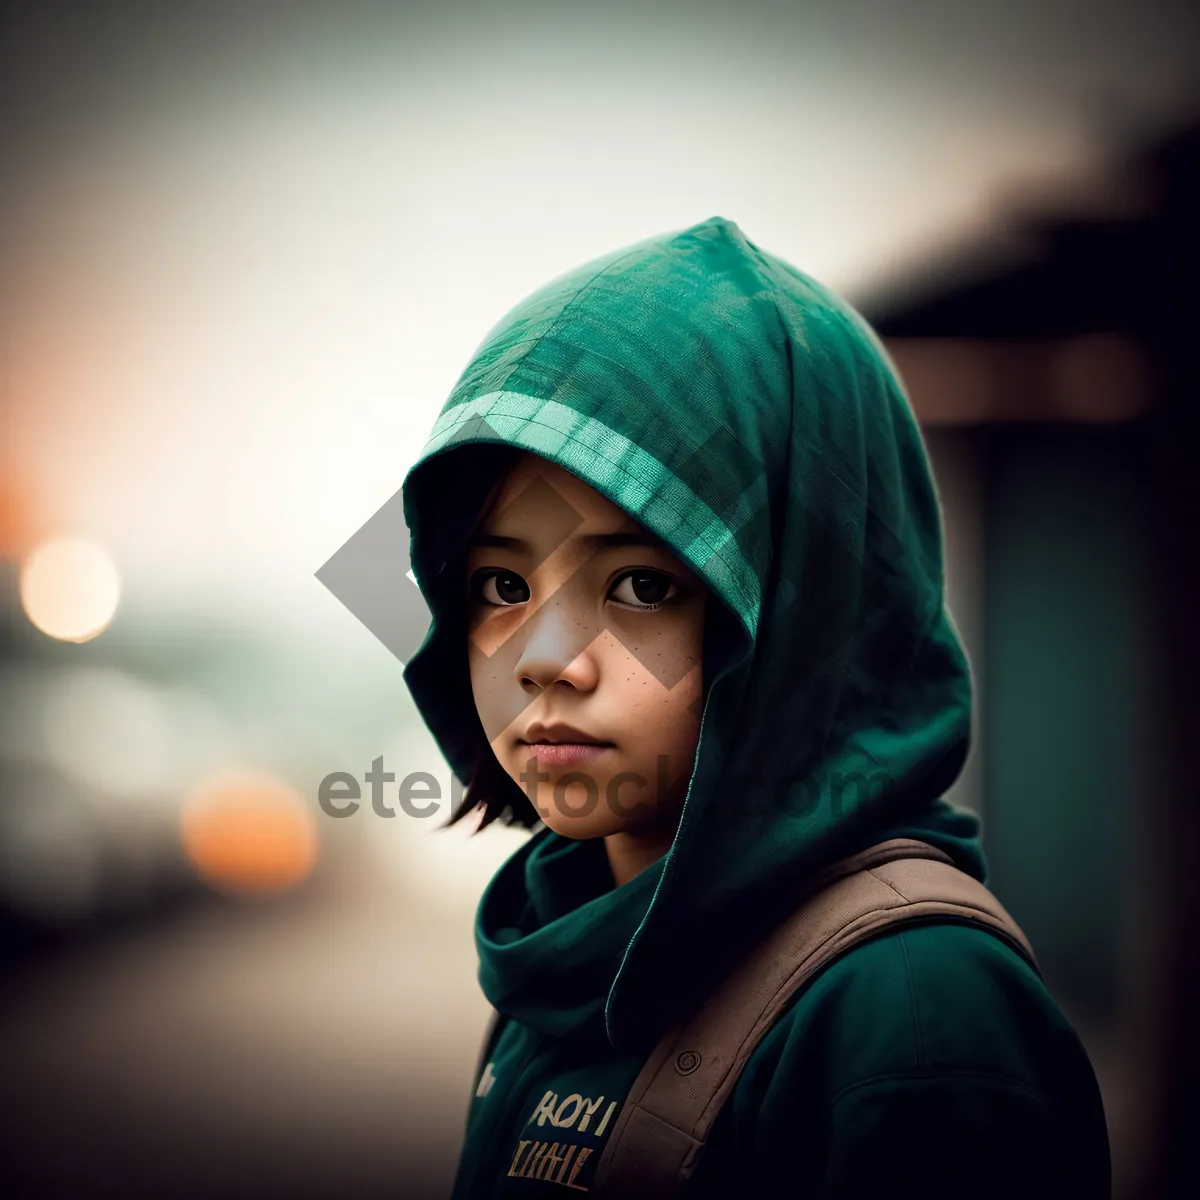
{"x":679,"y":537}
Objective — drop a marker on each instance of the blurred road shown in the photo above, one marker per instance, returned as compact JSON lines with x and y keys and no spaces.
{"x":317,"y":1046}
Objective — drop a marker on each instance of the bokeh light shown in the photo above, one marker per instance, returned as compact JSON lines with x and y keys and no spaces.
{"x":109,"y":730}
{"x":248,"y":833}
{"x":19,"y":514}
{"x":70,"y":588}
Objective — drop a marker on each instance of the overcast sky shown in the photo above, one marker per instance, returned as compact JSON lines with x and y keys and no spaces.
{"x":249,"y":249}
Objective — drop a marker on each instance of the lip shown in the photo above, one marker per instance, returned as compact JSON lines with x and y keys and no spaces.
{"x":564,"y":753}
{"x":560,"y":732}
{"x":560,"y":744}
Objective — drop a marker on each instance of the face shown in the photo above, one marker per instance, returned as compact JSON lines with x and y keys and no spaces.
{"x":586,"y":649}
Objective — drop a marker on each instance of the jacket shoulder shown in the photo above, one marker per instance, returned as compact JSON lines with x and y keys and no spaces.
{"x":938,"y":1028}
{"x":922,"y":998}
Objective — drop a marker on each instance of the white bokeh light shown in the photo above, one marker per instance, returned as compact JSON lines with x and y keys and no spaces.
{"x":70,"y":588}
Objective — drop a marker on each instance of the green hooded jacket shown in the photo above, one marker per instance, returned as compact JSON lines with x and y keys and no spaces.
{"x":750,"y":418}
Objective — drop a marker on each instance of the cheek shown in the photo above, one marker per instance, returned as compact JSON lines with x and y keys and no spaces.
{"x":493,"y":700}
{"x":489,"y":628}
{"x":663,"y":720}
{"x":658,"y":688}
{"x":498,"y":700}
{"x":662,"y":654}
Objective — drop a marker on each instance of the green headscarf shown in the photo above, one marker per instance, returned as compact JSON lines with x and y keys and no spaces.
{"x":751,"y":418}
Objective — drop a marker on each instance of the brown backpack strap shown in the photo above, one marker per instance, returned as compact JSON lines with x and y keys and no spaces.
{"x":670,"y":1108}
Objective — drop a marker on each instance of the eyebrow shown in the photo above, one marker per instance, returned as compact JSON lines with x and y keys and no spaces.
{"x":593,"y":541}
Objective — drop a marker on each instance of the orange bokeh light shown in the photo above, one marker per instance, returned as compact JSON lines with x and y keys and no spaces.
{"x":247,"y":833}
{"x":22,"y":523}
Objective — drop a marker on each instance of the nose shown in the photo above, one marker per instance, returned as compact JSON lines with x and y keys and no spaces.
{"x":557,"y":650}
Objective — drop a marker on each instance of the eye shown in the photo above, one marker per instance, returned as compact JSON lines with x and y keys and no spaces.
{"x":644,"y":588}
{"x":501,"y":588}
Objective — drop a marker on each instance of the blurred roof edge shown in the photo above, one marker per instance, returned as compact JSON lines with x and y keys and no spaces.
{"x":1095,"y":258}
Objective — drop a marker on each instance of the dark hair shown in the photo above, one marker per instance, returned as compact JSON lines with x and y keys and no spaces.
{"x":493,"y":789}
{"x":489,"y":786}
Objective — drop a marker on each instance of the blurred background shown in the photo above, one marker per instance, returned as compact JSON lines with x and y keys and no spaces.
{"x":246,"y":251}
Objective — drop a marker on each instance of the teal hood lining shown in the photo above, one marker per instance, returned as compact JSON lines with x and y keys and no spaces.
{"x":625,"y":473}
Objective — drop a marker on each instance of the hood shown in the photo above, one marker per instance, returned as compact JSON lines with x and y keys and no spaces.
{"x":751,"y":418}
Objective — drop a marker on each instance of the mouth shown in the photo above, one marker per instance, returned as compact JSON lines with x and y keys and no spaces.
{"x":561,"y":744}
{"x":564,"y":753}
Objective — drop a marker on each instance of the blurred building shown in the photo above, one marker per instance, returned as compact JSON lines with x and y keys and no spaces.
{"x":1067,"y":377}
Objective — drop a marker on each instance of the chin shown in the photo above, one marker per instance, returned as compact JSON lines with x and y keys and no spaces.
{"x":579,"y":829}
